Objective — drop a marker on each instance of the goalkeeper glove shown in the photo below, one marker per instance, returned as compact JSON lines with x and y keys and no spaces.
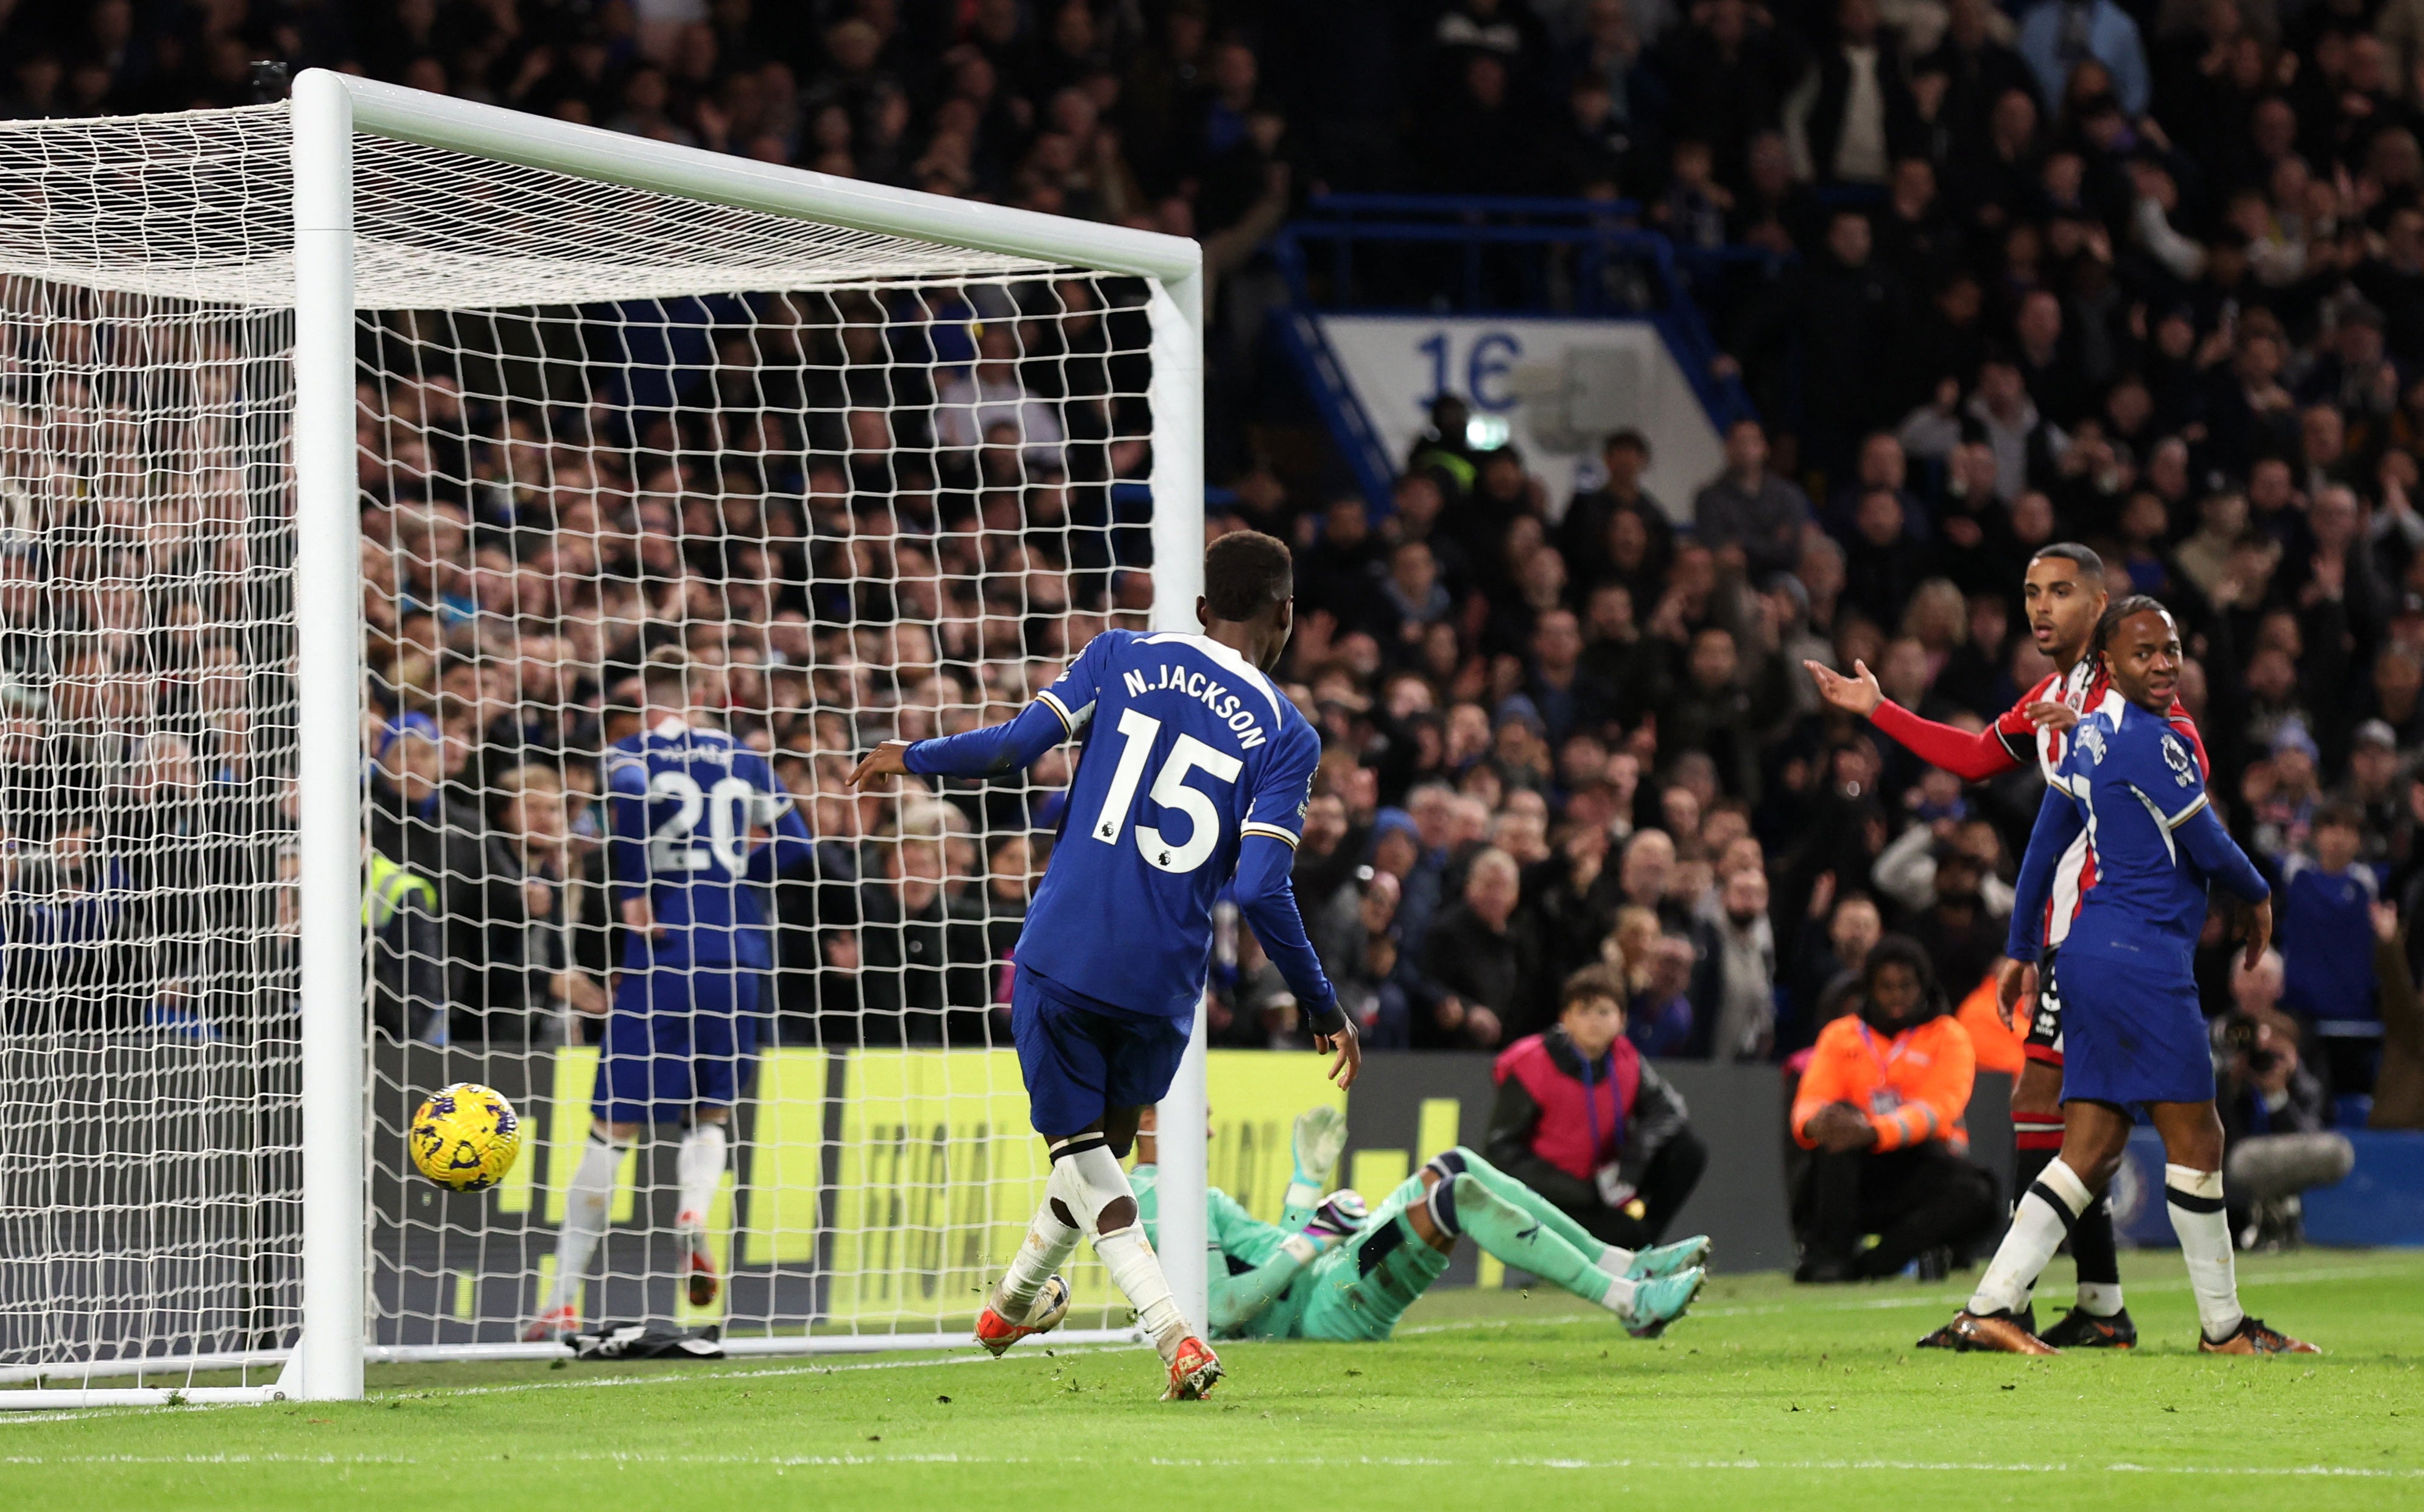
{"x":1341,"y":1213}
{"x":1320,"y":1135}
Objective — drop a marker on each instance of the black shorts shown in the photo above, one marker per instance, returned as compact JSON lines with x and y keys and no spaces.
{"x":2044,"y":1039}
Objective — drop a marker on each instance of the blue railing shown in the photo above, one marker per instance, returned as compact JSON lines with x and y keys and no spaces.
{"x":1476,"y":225}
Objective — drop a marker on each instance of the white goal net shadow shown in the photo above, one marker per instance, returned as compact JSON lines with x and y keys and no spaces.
{"x":304,"y":817}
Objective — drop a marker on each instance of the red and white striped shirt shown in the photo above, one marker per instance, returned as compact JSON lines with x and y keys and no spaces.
{"x":2008,"y":745}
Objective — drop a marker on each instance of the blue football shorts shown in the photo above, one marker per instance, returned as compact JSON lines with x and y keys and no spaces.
{"x":1081,"y":1058}
{"x":2131,"y":1033}
{"x":678,"y":1038}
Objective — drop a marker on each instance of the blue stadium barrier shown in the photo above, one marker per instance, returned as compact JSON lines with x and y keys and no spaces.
{"x":2382,"y":1201}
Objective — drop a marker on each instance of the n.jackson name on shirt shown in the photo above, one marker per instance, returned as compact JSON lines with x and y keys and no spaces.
{"x":1208,"y":690}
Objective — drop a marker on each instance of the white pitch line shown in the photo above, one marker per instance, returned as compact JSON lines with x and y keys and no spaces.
{"x":1459,"y":1325}
{"x":678,"y":1378}
{"x":591,"y":1382}
{"x":1305,"y":1461}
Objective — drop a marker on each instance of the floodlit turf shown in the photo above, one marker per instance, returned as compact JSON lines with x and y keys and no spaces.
{"x":1768,"y":1396}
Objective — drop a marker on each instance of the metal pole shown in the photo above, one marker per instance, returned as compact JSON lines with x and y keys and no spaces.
{"x":1177,"y":313}
{"x":328,"y":685}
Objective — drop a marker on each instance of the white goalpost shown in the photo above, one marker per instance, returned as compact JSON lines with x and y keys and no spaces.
{"x":304,"y":819}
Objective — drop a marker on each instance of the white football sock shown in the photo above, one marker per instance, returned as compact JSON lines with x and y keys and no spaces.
{"x":1619,"y":1297}
{"x":699,"y":1167}
{"x":1615,"y":1260}
{"x":1136,"y":1271}
{"x":584,"y":1218}
{"x":2100,"y":1298}
{"x":1048,"y":1246}
{"x":2038,"y":1224}
{"x":2194,"y":1198}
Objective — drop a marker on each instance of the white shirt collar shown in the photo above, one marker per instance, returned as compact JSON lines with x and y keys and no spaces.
{"x":1231,"y":661}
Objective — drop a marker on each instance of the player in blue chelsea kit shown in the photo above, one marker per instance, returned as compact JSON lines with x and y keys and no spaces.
{"x":1205,"y":773}
{"x":697,"y":826}
{"x":2134,"y":1032}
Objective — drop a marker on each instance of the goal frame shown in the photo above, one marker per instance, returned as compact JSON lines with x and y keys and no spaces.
{"x":328,"y":109}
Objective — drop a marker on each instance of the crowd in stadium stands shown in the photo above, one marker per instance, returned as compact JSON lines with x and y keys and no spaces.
{"x":2147,"y":277}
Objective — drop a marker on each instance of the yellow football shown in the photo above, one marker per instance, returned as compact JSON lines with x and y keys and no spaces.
{"x":465,"y":1137}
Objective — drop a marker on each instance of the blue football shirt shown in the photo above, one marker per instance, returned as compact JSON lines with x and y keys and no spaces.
{"x":698,"y":825}
{"x":2133,"y":783}
{"x":1189,"y":757}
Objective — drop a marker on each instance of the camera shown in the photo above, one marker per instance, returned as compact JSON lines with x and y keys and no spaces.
{"x":2242,"y":1036}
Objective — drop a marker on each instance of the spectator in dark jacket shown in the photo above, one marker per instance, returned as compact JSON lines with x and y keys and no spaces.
{"x":1662,"y":1019}
{"x":1749,"y":511}
{"x":1477,"y":961}
{"x":1733,"y":987}
{"x":1584,"y":1122}
{"x":920,"y":959}
{"x":1728,"y":74}
{"x":2326,"y":937}
{"x":480,"y":892}
{"x":1365,"y":955}
{"x":1862,"y":117}
{"x":1827,"y":951}
{"x":1582,"y":535}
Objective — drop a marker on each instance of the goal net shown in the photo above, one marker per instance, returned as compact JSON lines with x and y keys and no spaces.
{"x":859,"y":464}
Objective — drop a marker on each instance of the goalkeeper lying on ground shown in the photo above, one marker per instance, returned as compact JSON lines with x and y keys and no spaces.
{"x":1330,"y":1270}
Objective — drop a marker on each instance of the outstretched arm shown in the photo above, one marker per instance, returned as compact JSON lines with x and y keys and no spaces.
{"x":1237,"y":1300}
{"x":2058,"y":823}
{"x":1056,"y":713}
{"x":1239,"y":1297}
{"x":1971,"y":758}
{"x":978,"y":753}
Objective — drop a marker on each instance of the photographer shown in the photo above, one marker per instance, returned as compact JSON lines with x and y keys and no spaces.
{"x":2274,"y":1142}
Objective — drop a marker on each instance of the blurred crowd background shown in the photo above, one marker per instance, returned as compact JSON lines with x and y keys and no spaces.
{"x":2149,"y":277}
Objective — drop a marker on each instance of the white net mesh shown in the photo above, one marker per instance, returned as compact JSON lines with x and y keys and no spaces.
{"x":148,"y":1130}
{"x":852,"y":485}
{"x":195,"y":206}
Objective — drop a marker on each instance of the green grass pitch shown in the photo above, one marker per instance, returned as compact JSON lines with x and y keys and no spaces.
{"x":1767,"y":1396}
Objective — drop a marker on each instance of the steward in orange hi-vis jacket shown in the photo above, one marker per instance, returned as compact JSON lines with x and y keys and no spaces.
{"x":1998,"y":1046}
{"x":1881,"y":1105}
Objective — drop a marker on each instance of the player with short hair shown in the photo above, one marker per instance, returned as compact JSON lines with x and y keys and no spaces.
{"x":2064,"y":594}
{"x":1204,"y":776}
{"x":1329,"y":1270}
{"x":2131,"y":786}
{"x":698,"y":825}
